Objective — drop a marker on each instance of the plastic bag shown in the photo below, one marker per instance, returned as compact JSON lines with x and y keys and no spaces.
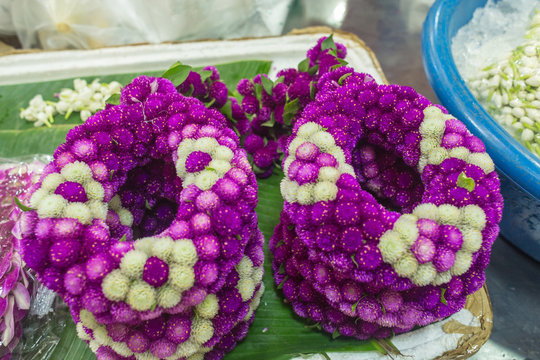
{"x":85,"y":24}
{"x":34,"y":333}
{"x":6,"y":25}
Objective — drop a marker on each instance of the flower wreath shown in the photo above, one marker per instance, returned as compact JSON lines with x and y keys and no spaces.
{"x":145,"y":224}
{"x":343,"y":258}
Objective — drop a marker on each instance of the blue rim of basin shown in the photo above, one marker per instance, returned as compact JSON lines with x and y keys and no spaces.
{"x":511,"y":158}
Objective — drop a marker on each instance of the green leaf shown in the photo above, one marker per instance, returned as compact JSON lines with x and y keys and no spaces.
{"x":123,"y":238}
{"x":205,"y":74}
{"x":114,"y":99}
{"x":325,"y":355}
{"x":147,"y":204}
{"x":336,"y":334}
{"x":226,"y":110}
{"x":269,"y":123}
{"x":280,"y":286}
{"x":258,"y":90}
{"x":443,"y":300}
{"x":20,"y":205}
{"x":280,"y":79}
{"x":290,"y":110}
{"x":328,"y":43}
{"x":312,"y":90}
{"x":354,"y":306}
{"x":267,"y":84}
{"x":313,"y":70}
{"x":354,"y":260}
{"x":465,"y":182}
{"x":343,"y":77}
{"x":303,"y":65}
{"x":177,"y":73}
{"x":111,"y":175}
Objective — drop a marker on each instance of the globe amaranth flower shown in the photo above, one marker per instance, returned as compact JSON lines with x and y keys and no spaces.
{"x":384,"y":268}
{"x":138,"y":243}
{"x":271,"y":107}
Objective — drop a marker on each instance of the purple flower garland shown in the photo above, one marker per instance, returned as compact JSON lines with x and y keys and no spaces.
{"x":145,"y":224}
{"x":354,"y":266}
{"x":268,"y":110}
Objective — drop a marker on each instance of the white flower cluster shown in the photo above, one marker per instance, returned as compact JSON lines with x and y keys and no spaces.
{"x":324,"y":188}
{"x":126,"y":282}
{"x":84,"y":98}
{"x":431,"y":152}
{"x":511,"y":89}
{"x":216,"y":169}
{"x":395,"y":244}
{"x":249,"y":277}
{"x":50,"y":205}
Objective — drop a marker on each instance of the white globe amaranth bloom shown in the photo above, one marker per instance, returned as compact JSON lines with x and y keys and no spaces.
{"x":428,"y":144}
{"x":449,"y":214}
{"x":258,"y":274}
{"x":308,"y":129}
{"x":437,"y":156}
{"x":144,"y":244}
{"x":406,"y":266}
{"x":88,"y":319}
{"x":325,"y":191}
{"x":459,"y":152}
{"x":51,"y":181}
{"x":115,"y":285}
{"x":141,"y":296}
{"x":244,"y":267}
{"x":482,"y":160}
{"x":327,"y":173}
{"x":126,"y":217}
{"x":182,"y":277}
{"x":224,"y":153}
{"x":474,"y":216}
{"x":38,"y":196}
{"x":206,"y":179}
{"x":201,"y":330}
{"x":391,"y":246}
{"x":94,"y":346}
{"x":115,"y":203}
{"x":289,"y":189}
{"x":323,"y":140}
{"x":94,"y":190}
{"x":406,"y":227}
{"x":209,"y":307}
{"x":472,"y":239}
{"x":184,"y":252}
{"x":305,"y":194}
{"x":162,"y":247}
{"x":168,"y":296}
{"x":98,"y":209}
{"x":427,"y":211}
{"x":424,"y":275}
{"x":220,"y":166}
{"x":78,"y":211}
{"x":462,"y":263}
{"x":442,"y":278}
{"x":132,"y":263}
{"x":81,"y":333}
{"x":77,"y":171}
{"x":246,"y":288}
{"x":101,"y":336}
{"x":121,"y":348}
{"x":206,"y":144}
{"x":432,"y":112}
{"x":186,"y":349}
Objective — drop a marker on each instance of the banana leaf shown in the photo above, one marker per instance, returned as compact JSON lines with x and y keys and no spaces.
{"x":277,"y":333}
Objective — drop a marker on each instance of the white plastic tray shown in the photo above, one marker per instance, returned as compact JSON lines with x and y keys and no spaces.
{"x":426,"y":343}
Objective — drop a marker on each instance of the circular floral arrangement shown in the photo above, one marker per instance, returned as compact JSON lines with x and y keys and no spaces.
{"x":391,"y":208}
{"x":145,"y":224}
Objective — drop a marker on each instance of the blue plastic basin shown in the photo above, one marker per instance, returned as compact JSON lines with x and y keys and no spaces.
{"x":519,"y":169}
